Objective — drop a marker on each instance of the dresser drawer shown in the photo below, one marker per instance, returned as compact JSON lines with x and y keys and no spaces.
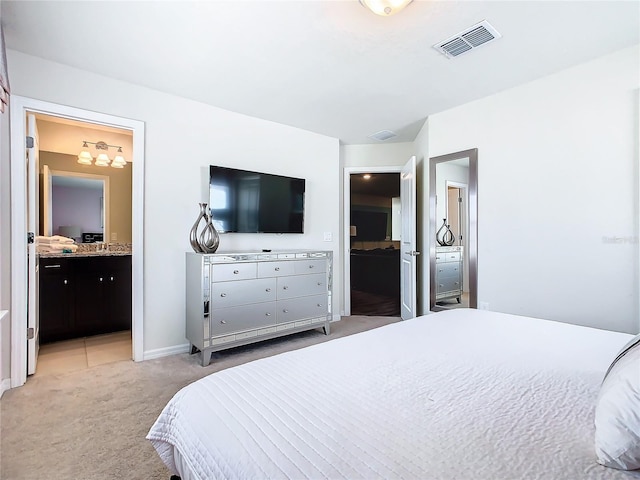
{"x":236,"y":271}
{"x":301,"y":285}
{"x":244,"y":317}
{"x":310,"y":266}
{"x":300,"y":308}
{"x":448,"y":285}
{"x":275,"y":269}
{"x":448,"y":269}
{"x":452,"y":256}
{"x":229,"y":294}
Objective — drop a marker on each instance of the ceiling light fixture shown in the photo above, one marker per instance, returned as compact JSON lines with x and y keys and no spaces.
{"x":102,"y":158}
{"x":385,"y":8}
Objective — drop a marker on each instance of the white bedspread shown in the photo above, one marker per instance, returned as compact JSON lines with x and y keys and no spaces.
{"x":461,"y":394}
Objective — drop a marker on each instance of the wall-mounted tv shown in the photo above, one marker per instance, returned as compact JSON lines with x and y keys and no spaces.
{"x":243,"y":201}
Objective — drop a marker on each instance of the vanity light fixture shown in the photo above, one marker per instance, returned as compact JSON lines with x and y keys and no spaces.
{"x":385,"y":8}
{"x":102,"y":159}
{"x":85,"y":157}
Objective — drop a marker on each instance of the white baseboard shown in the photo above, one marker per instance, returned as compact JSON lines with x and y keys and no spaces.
{"x":4,"y":386}
{"x":166,"y":351}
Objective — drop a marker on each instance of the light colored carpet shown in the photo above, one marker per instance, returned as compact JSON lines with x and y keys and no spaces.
{"x":91,"y":424}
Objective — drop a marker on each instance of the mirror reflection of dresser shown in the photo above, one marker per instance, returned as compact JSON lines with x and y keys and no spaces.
{"x":449,"y":267}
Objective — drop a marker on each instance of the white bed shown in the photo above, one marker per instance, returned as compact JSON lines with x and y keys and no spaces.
{"x":461,"y":394}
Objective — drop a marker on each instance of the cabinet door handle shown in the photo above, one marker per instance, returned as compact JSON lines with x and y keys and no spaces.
{"x":268,"y":314}
{"x":277,"y":269}
{"x":319,"y":283}
{"x":235,"y":272}
{"x":285,"y":311}
{"x":310,"y":266}
{"x":223,"y":294}
{"x":319,"y":305}
{"x":65,"y":282}
{"x":52,"y":266}
{"x":268,"y":289}
{"x":112,"y":279}
{"x":100,"y":278}
{"x":285,"y":288}
{"x":223,"y":321}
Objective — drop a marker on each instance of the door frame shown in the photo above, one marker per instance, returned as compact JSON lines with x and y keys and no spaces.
{"x":346,"y":237}
{"x":465,"y":224}
{"x":19,"y":107}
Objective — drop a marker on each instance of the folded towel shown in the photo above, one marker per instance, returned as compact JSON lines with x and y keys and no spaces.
{"x":55,"y":239}
{"x":56,"y":248}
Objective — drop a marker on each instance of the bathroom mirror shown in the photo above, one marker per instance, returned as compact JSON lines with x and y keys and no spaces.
{"x":453,"y":202}
{"x":73,"y":204}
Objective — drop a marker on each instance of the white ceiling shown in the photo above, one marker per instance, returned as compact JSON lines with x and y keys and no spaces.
{"x":331,"y":67}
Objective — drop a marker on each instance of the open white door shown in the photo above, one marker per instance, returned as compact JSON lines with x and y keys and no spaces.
{"x":46,"y":214}
{"x":33,"y":327}
{"x":408,"y":252}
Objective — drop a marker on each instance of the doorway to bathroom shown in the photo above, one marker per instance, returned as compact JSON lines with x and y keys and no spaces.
{"x":26,"y":222}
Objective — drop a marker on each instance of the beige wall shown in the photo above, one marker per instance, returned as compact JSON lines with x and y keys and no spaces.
{"x":119,"y":189}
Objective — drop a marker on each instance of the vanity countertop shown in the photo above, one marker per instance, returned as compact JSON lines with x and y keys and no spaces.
{"x":83,"y":254}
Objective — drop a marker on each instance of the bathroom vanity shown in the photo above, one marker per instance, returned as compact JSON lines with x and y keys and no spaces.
{"x":83,"y":294}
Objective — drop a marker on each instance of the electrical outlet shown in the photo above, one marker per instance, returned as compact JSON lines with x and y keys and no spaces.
{"x":328,"y":237}
{"x":484,"y":305}
{"x":114,"y":236}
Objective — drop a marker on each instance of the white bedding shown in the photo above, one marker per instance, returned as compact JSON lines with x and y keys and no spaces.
{"x":461,"y":394}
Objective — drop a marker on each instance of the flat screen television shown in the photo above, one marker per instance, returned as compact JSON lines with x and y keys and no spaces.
{"x":243,"y":201}
{"x":370,"y":225}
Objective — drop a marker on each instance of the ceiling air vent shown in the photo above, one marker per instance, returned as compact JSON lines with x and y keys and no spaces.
{"x":383,"y":135}
{"x":479,"y":34}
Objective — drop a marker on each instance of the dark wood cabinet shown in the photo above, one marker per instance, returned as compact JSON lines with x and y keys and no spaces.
{"x":83,"y":296}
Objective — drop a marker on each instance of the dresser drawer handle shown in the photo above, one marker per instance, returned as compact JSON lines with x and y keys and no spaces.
{"x":112,"y":279}
{"x":223,"y":321}
{"x":268,"y":314}
{"x":268,"y":289}
{"x":223,"y":294}
{"x":319,"y":305}
{"x":52,"y":266}
{"x":319,"y":283}
{"x":235,"y":272}
{"x":277,"y":269}
{"x":285,"y":288}
{"x":65,"y":282}
{"x":285,"y":311}
{"x":100,"y":278}
{"x":310,"y":266}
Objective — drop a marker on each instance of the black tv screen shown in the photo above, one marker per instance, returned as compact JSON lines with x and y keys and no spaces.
{"x":370,"y":225}
{"x":243,"y":201}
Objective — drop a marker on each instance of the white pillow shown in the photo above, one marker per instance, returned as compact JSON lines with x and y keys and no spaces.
{"x":617,"y":416}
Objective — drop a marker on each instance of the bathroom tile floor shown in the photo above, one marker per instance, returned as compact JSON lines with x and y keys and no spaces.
{"x":82,"y":353}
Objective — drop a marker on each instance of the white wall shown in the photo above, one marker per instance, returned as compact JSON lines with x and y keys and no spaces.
{"x":376,"y":155}
{"x":557,"y":192}
{"x":183,"y":138}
